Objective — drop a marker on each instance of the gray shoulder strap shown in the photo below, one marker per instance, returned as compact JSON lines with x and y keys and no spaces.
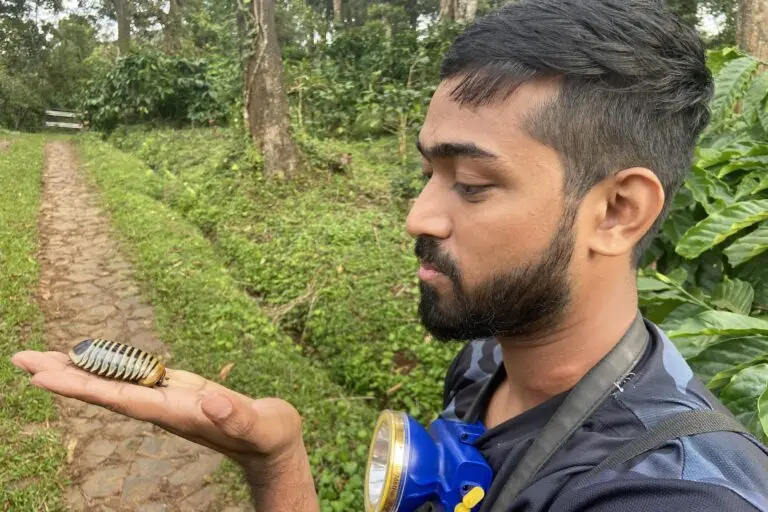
{"x":685,"y":423}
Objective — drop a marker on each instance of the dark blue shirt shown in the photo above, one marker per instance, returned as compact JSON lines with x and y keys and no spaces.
{"x":719,"y":471}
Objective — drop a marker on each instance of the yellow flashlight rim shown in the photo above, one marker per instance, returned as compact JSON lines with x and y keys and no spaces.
{"x":396,"y":462}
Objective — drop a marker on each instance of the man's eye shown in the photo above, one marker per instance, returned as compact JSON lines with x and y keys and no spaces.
{"x":470,"y":190}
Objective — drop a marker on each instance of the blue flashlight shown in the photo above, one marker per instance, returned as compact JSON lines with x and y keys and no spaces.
{"x":409,"y":466}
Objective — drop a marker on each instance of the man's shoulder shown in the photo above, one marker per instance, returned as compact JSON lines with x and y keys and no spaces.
{"x":704,"y":472}
{"x":717,"y":467}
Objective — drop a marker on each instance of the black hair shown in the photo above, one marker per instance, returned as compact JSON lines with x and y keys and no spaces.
{"x":634,"y":86}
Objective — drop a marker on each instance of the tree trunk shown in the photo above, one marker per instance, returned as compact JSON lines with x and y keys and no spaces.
{"x":337,"y":11}
{"x":242,"y":15}
{"x":462,"y":11}
{"x":173,"y":22}
{"x":412,"y":8}
{"x":446,"y":10}
{"x":466,"y":10}
{"x":752,"y":28}
{"x":266,"y":103}
{"x":123,"y":15}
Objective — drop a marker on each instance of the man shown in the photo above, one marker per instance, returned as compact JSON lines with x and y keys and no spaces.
{"x":559,"y":133}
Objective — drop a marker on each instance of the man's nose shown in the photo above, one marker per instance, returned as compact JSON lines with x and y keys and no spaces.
{"x":428,"y":215}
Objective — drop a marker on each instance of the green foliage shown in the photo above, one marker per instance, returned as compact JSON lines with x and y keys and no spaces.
{"x":743,"y":395}
{"x":22,"y":88}
{"x":407,"y":182}
{"x":706,"y":281}
{"x":21,"y":107}
{"x":720,"y":225}
{"x":207,"y":320}
{"x":31,"y":453}
{"x":71,"y":46}
{"x":369,"y":80}
{"x":152,"y":87}
{"x":42,"y":66}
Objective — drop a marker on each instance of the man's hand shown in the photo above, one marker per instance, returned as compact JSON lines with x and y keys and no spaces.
{"x":263,"y":435}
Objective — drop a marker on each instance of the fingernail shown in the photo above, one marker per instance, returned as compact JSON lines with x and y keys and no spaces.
{"x":219,"y":407}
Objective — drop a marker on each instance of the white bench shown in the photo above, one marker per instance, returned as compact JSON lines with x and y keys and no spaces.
{"x":72,"y":120}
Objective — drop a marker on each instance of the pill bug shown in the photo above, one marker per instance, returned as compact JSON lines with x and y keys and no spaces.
{"x":118,"y":361}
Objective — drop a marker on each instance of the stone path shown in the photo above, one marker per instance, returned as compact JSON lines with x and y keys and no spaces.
{"x":87,"y":290}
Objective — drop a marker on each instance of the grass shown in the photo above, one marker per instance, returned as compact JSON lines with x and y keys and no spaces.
{"x":208,"y":321}
{"x":327,"y":256}
{"x":31,"y":453}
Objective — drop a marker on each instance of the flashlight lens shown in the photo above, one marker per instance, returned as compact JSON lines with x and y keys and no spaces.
{"x":377,"y":470}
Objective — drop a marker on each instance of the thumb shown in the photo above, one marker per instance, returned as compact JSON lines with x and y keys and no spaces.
{"x":234,"y":418}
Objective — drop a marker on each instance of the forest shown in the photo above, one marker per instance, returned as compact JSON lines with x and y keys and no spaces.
{"x":256,"y":161}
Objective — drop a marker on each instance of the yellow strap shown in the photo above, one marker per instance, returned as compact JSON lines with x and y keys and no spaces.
{"x":472,"y":498}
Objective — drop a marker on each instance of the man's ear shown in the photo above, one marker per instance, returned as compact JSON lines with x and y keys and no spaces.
{"x":623,"y":208}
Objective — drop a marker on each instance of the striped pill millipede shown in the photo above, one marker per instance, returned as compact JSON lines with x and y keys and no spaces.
{"x":118,"y":361}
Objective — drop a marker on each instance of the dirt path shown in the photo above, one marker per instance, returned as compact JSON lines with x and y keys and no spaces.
{"x":87,"y":291}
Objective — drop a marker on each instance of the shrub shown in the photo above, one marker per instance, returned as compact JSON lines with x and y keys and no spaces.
{"x":706,"y":276}
{"x":152,"y":87}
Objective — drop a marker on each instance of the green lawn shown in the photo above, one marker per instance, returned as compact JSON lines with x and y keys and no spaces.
{"x":31,"y":453}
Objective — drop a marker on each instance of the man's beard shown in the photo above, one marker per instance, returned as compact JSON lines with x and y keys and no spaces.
{"x":521,"y":302}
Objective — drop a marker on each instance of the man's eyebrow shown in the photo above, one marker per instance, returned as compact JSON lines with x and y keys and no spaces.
{"x":454,"y":150}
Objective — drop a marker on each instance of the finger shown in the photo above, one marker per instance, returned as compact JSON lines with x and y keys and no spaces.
{"x":138,"y":402}
{"x":265,"y":424}
{"x":232,"y":417}
{"x":176,"y":410}
{"x":184,"y":378}
{"x":34,"y":362}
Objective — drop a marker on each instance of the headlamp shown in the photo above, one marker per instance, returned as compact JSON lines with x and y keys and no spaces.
{"x":409,"y":466}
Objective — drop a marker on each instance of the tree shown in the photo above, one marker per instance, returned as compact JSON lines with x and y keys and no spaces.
{"x":752,"y":28}
{"x":686,"y":9}
{"x":71,"y":43}
{"x":173,"y":26}
{"x":462,"y":11}
{"x":266,"y":103}
{"x":123,"y":16}
{"x":154,"y":21}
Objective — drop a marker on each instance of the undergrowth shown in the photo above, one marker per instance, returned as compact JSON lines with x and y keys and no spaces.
{"x":31,"y":452}
{"x":208,"y":321}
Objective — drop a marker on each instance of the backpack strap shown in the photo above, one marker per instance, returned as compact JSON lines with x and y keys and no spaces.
{"x":686,"y":423}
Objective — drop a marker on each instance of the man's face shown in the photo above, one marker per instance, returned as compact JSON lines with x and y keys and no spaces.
{"x":491,"y":230}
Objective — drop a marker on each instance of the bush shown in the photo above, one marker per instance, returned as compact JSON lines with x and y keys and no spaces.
{"x":21,"y":106}
{"x":152,"y":87}
{"x":374,"y":79}
{"x":706,"y":276}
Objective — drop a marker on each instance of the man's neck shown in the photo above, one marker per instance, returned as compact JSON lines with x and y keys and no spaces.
{"x":544,"y":366}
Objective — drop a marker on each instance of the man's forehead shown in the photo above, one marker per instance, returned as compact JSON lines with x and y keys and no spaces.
{"x":449,"y":120}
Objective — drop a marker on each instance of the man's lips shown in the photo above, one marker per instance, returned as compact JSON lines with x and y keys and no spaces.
{"x":427,"y":271}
